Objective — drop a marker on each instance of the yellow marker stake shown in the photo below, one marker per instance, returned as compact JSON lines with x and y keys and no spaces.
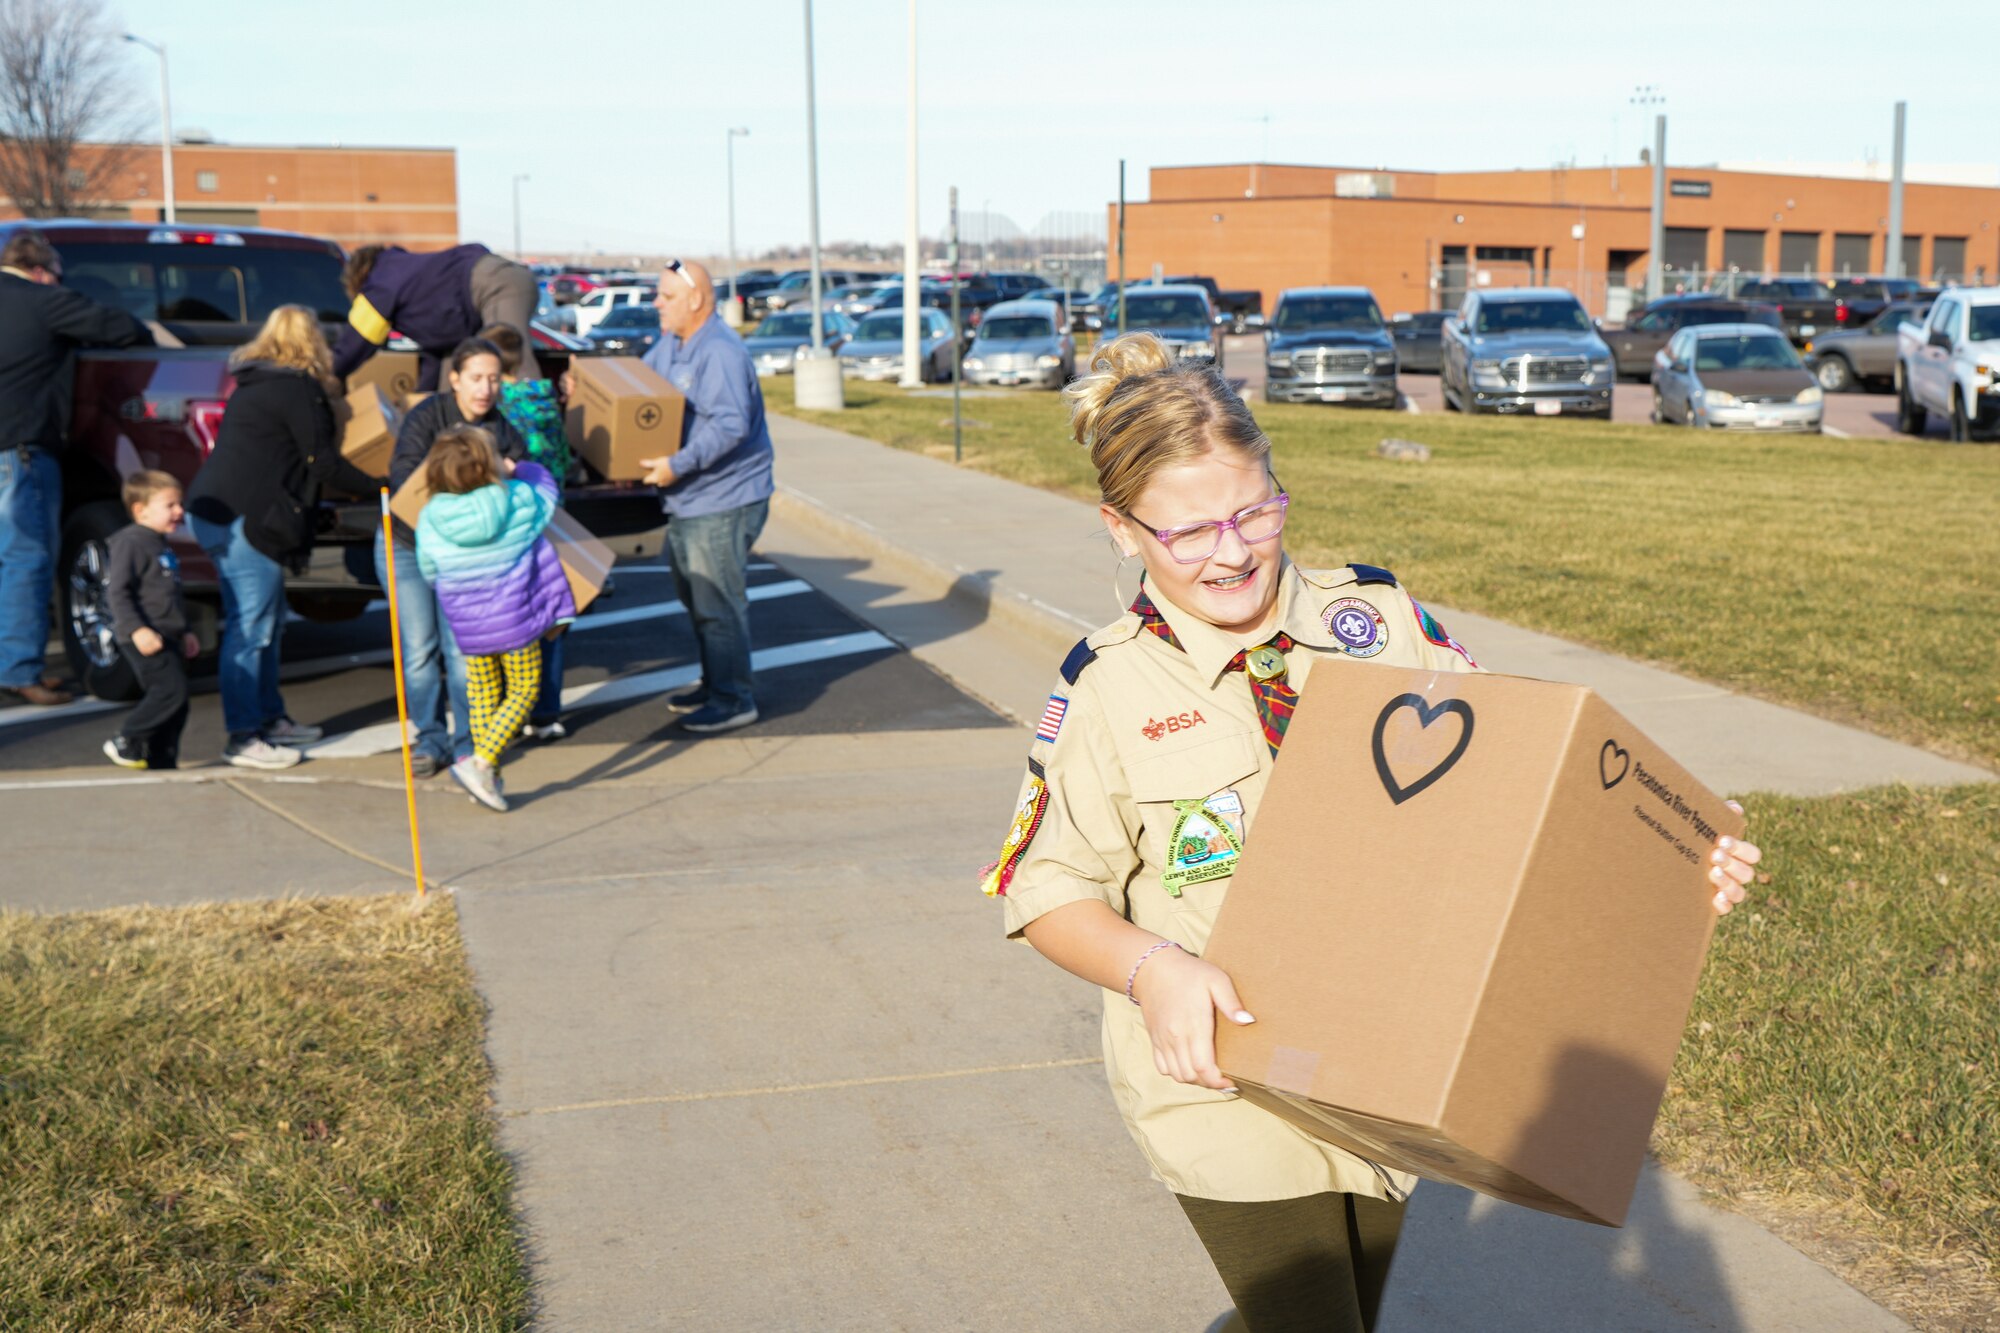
{"x":402,"y":702}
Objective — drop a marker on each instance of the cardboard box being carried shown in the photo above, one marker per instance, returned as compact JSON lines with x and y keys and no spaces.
{"x":586,"y":560}
{"x":620,"y":411}
{"x":368,"y":438}
{"x":394,"y":372}
{"x":1469,"y":920}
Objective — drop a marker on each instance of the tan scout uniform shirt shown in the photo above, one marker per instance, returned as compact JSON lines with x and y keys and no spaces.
{"x":1144,"y":725}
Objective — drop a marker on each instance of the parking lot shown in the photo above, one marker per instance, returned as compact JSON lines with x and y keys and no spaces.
{"x":1861,"y":415}
{"x":819,"y":672}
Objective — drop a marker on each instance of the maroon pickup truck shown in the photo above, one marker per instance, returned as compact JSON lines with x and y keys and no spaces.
{"x":156,"y":407}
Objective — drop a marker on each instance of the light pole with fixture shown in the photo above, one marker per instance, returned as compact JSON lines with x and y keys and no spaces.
{"x":735,"y":133}
{"x":517,"y":213}
{"x":166,"y":122}
{"x":815,"y":370}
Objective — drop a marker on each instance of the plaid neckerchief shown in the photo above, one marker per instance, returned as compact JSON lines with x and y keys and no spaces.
{"x":1276,"y":700}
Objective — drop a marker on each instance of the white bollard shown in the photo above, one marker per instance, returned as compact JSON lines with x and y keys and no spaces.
{"x":732,"y":311}
{"x":816,"y":382}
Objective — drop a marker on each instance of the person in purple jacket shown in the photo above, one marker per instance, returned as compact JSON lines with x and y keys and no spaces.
{"x":481,"y":542}
{"x":437,"y":300}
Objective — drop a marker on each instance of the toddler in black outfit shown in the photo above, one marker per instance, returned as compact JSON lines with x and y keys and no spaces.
{"x":143,"y":582}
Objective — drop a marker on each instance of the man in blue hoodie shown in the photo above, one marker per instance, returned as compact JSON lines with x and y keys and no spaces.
{"x":717,"y":491}
{"x":437,"y":300}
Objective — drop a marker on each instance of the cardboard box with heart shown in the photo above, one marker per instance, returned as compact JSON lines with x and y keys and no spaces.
{"x":1469,"y":919}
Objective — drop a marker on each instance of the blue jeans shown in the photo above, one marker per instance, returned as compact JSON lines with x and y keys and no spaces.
{"x":30,"y":534}
{"x":253,"y":626}
{"x":433,"y":668}
{"x":548,"y":708}
{"x":708,"y":554}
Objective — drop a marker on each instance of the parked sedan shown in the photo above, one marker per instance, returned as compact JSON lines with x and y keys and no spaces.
{"x":1022,"y":342}
{"x":776,"y":342}
{"x":1419,"y":339}
{"x":1847,"y":359}
{"x":875,"y":352}
{"x":1735,"y":377}
{"x":630,"y":330}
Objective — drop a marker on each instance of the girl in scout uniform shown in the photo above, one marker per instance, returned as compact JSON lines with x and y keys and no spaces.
{"x":1143,"y":782}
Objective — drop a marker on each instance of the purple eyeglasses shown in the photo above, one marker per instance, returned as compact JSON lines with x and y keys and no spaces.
{"x":1196,"y":542}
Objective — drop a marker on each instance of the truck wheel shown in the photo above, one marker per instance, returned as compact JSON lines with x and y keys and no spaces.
{"x":1834,"y":374}
{"x":1659,"y":417}
{"x":1910,"y":419}
{"x":1961,"y":428}
{"x":85,"y":604}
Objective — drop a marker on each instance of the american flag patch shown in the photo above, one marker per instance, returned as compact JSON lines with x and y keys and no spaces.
{"x":1052,"y":717}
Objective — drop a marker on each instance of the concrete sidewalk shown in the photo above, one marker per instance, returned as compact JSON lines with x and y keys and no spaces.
{"x":1039,"y":563}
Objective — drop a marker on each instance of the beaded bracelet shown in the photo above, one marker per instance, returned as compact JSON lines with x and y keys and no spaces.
{"x":1163,"y":944}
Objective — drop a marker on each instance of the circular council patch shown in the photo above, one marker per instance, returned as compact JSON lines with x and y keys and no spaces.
{"x":1356,"y":626}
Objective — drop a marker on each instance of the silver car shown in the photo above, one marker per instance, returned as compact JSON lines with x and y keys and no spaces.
{"x":1022,"y":342}
{"x":875,"y":352}
{"x":1735,"y":377}
{"x":775,"y":343}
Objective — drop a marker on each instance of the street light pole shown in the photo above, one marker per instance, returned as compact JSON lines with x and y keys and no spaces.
{"x":913,"y":342}
{"x":1649,"y":95}
{"x":166,"y":123}
{"x":517,"y":214}
{"x":734,"y":135}
{"x":816,"y":381}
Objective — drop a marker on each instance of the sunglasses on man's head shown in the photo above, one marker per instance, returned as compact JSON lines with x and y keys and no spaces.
{"x":679,"y":270}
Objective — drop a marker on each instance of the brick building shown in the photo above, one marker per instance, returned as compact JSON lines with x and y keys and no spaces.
{"x":1418,"y":239}
{"x":397,"y":196}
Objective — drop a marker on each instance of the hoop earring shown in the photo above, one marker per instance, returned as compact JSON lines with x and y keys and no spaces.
{"x":1125,"y":603}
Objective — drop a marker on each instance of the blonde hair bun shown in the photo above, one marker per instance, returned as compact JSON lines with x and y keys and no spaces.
{"x":1141,"y":409}
{"x":1111,"y":364}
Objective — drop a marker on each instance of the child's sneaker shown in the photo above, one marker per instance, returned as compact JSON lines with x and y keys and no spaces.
{"x":125,"y":752}
{"x":477,"y":777}
{"x":553,"y":731}
{"x":287,"y":732}
{"x":256,"y":752}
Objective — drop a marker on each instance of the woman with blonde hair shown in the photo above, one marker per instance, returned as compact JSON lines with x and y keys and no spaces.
{"x":252,"y":508}
{"x":1100,"y":873}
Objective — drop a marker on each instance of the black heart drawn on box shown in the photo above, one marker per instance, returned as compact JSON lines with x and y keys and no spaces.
{"x":1612,"y":750}
{"x":1427,"y":713}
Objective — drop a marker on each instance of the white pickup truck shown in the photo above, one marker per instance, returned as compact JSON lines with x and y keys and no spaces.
{"x":1949,"y":363}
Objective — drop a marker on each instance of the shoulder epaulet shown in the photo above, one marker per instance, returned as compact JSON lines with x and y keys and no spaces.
{"x":1079,"y":657}
{"x":1366,"y":574}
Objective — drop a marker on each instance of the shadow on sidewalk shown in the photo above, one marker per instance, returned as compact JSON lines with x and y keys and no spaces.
{"x":1468,"y":1261}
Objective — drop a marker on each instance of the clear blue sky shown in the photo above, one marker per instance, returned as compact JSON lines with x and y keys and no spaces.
{"x":617,"y":108}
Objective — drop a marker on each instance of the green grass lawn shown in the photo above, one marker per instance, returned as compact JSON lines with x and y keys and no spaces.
{"x":266,"y":1116}
{"x":1840,"y":1058}
{"x":1854,"y":578}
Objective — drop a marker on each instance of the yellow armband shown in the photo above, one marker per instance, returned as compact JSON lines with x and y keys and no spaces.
{"x":368,"y":321}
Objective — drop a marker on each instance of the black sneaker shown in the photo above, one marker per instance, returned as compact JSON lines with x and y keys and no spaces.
{"x":544,"y":732}
{"x":424,"y":764}
{"x":688,"y":701}
{"x":125,"y":752}
{"x":164,"y":758}
{"x":714,"y":717}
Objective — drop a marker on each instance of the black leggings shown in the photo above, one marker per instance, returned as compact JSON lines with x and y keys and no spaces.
{"x":1307,"y":1265}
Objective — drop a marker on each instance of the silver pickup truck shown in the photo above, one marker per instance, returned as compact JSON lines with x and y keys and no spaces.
{"x":1526,"y":350}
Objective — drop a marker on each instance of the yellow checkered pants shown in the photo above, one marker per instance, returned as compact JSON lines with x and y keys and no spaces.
{"x":503,"y":688}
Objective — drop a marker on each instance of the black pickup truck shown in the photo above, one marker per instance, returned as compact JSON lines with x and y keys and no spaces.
{"x":1241,"y":310}
{"x":1806,"y":306}
{"x":160,"y":407}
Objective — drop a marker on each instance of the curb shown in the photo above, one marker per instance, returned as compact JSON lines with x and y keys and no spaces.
{"x":976,"y":593}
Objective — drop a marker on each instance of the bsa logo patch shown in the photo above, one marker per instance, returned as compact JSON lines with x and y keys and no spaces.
{"x":1356,"y":626}
{"x":1156,"y":727}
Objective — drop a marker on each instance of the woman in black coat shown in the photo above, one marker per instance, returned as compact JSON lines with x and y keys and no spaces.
{"x":252,"y":506}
